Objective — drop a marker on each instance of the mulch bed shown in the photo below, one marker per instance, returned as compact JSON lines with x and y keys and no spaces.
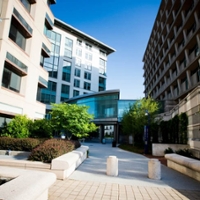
{"x":162,"y":159}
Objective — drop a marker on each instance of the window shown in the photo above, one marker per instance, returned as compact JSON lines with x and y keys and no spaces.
{"x":77,"y":72}
{"x":78,"y":62}
{"x":102,"y":53}
{"x":88,"y":56}
{"x":66,"y":71}
{"x":79,"y":52}
{"x":11,"y":80}
{"x":52,"y":86}
{"x":75,"y":93}
{"x":79,"y":42}
{"x":86,"y":86}
{"x":16,"y":35}
{"x":65,"y":89}
{"x":64,"y":92}
{"x":88,"y":46}
{"x":88,"y":66}
{"x":68,"y":48}
{"x":102,"y":62}
{"x":87,"y":75}
{"x":26,"y":4}
{"x":76,"y":83}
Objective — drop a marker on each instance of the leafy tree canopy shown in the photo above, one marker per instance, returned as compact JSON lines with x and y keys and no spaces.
{"x":72,"y":118}
{"x":139,"y":114}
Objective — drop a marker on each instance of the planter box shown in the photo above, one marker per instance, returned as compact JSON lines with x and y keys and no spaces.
{"x":158,"y":149}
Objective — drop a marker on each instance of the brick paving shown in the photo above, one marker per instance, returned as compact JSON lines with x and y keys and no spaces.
{"x":90,"y":182}
{"x":88,"y":190}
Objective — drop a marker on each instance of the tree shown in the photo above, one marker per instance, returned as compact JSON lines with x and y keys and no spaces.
{"x":18,"y":127}
{"x":134,"y":118}
{"x":72,"y":119}
{"x":41,"y":128}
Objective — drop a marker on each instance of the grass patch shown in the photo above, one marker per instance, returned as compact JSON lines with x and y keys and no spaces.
{"x":131,"y":148}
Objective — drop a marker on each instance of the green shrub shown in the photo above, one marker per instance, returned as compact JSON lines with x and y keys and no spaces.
{"x":51,"y":149}
{"x":18,"y":127}
{"x":169,"y":150}
{"x":184,"y":152}
{"x":41,"y":128}
{"x":16,"y":144}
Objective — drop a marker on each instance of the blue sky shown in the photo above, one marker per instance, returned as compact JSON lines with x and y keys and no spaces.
{"x":124,"y":25}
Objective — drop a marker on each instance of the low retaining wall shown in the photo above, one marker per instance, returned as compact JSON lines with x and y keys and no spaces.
{"x":26,"y":184}
{"x":62,"y":166}
{"x":158,"y":149}
{"x":187,"y":166}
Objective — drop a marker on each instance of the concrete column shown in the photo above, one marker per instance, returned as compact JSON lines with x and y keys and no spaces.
{"x":170,"y":73}
{"x":112,"y":166}
{"x":154,"y":169}
{"x":177,"y":66}
{"x":196,"y":17}
{"x":185,"y":35}
{"x":176,"y":47}
{"x":186,"y":56}
{"x":172,"y":90}
{"x":188,"y":73}
{"x":179,"y":85}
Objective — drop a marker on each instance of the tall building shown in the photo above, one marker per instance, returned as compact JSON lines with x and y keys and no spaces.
{"x":172,"y":62}
{"x":23,"y":46}
{"x":77,"y":64}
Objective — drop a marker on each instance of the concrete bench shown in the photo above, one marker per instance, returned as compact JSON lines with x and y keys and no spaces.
{"x":64,"y":165}
{"x":25,"y":184}
{"x":187,"y":166}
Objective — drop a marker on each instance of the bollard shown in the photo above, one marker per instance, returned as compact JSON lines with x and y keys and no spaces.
{"x":154,"y":169}
{"x":112,"y":166}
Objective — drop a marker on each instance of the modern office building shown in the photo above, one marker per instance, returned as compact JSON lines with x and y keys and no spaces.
{"x":23,"y":46}
{"x":172,"y":62}
{"x":77,"y":64}
{"x":107,"y":109}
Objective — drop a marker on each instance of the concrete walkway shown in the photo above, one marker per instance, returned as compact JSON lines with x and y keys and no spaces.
{"x":90,"y":181}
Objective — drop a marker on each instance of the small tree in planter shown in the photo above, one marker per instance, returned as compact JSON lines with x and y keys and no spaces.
{"x":72,"y":119}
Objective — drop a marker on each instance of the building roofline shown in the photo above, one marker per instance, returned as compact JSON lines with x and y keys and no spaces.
{"x":161,"y":4}
{"x":94,"y":94}
{"x":60,"y":24}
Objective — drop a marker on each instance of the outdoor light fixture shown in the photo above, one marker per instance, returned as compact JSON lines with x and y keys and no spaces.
{"x":146,"y":133}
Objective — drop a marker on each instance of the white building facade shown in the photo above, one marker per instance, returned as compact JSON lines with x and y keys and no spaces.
{"x":23,"y":44}
{"x":77,"y":65}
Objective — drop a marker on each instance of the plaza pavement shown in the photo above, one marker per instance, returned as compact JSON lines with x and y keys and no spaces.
{"x":90,"y":182}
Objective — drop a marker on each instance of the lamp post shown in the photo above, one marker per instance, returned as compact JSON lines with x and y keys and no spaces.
{"x":146,"y":133}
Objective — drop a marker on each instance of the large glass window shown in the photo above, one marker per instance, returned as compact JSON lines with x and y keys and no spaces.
{"x":11,"y":80}
{"x":17,"y":36}
{"x":87,"y":75}
{"x":48,"y":95}
{"x":76,"y":83}
{"x":77,"y":72}
{"x":75,"y":93}
{"x":79,"y":52}
{"x":66,"y":73}
{"x":64,"y":92}
{"x":78,"y":62}
{"x":88,"y":56}
{"x":88,"y":66}
{"x":51,"y":64}
{"x":68,"y":48}
{"x":86,"y":86}
{"x":26,"y":4}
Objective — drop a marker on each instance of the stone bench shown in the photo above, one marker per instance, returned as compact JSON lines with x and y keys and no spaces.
{"x":187,"y":166}
{"x":64,"y":165}
{"x":25,"y":184}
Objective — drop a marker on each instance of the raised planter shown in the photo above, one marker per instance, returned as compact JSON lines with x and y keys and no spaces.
{"x":25,"y":184}
{"x":62,"y":166}
{"x":187,"y":166}
{"x":158,"y":149}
